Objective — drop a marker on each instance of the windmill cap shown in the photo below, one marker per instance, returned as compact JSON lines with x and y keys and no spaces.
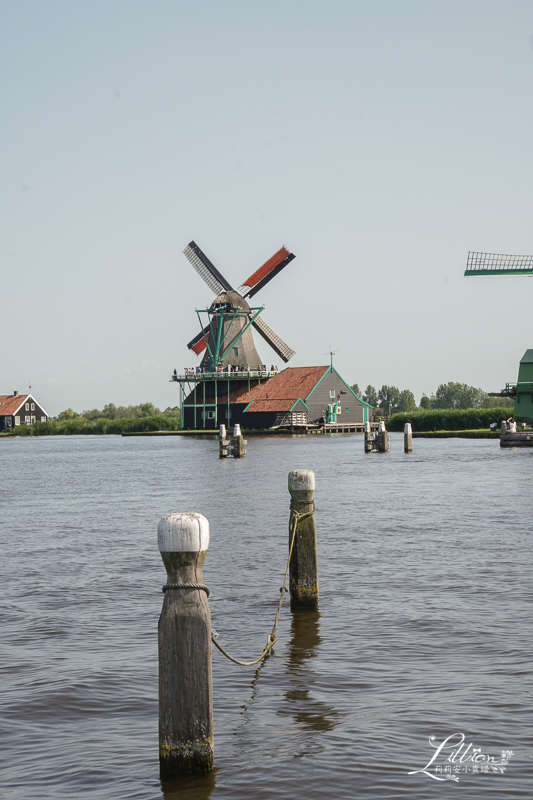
{"x":183,"y":533}
{"x":302,"y":479}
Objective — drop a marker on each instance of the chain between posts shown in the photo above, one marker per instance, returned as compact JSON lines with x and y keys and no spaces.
{"x":295,"y":518}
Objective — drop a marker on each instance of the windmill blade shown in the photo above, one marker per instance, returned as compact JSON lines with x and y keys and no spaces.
{"x":199,"y":342}
{"x":206,"y":270}
{"x":265,"y":273}
{"x":498,"y":264}
{"x":278,"y":345}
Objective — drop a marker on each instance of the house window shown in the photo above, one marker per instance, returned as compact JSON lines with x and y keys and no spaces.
{"x":33,"y":406}
{"x":346,"y":410}
{"x":17,"y":420}
{"x":32,"y":419}
{"x":210,"y":415}
{"x":235,"y":351}
{"x":26,"y":420}
{"x":332,"y":392}
{"x":43,"y":419}
{"x":27,"y":406}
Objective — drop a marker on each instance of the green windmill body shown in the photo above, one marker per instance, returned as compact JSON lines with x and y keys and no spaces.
{"x":500,"y":264}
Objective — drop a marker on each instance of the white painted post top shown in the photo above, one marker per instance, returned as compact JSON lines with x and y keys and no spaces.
{"x":183,"y":533}
{"x":222,"y":431}
{"x":503,"y":427}
{"x":237,"y":430}
{"x":407,"y":428}
{"x":302,"y":479}
{"x":367,"y":427}
{"x":381,"y":426}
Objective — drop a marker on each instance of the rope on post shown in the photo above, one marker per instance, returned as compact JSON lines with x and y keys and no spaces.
{"x":202,"y":586}
{"x":295,"y":518}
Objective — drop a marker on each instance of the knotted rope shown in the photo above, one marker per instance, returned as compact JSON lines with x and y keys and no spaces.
{"x":294,"y":519}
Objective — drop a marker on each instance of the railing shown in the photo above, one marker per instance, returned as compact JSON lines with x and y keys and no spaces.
{"x":225,"y":375}
{"x":523,"y":386}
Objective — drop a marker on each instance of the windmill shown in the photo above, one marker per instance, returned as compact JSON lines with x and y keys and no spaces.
{"x":502,"y":264}
{"x":226,"y":334}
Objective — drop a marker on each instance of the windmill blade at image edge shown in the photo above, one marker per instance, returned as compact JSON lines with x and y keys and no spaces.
{"x":498,"y":264}
{"x":278,"y":345}
{"x":265,"y":273}
{"x":206,"y":269}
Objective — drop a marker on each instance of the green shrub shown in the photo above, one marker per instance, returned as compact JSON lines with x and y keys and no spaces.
{"x":92,"y":427}
{"x":449,"y":419}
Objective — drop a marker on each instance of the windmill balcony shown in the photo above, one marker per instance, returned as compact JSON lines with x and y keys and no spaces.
{"x":193,"y":374}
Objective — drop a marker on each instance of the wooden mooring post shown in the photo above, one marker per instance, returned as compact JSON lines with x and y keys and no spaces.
{"x":223,"y":445}
{"x":407,"y":438}
{"x":184,"y":634}
{"x":383,"y":438}
{"x":303,"y":567}
{"x":369,"y":438}
{"x":238,"y":442}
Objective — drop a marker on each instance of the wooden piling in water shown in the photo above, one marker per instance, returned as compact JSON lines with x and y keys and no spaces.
{"x":238,"y":442}
{"x":369,"y":438}
{"x":407,"y":438}
{"x":303,"y":568}
{"x":223,"y":447}
{"x":383,"y":438}
{"x":184,"y":637}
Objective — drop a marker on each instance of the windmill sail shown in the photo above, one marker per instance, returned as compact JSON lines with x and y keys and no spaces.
{"x":199,"y":342}
{"x":264,"y":274}
{"x":203,"y":266}
{"x":278,"y":345}
{"x":498,"y":264}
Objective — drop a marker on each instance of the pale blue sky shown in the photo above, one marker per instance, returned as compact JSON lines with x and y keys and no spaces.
{"x":379,"y":141}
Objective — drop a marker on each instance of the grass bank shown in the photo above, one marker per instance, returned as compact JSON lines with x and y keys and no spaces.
{"x":75,"y":427}
{"x":449,"y":419}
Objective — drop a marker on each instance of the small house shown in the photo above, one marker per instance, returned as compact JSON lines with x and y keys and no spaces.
{"x":20,"y":409}
{"x":302,"y":395}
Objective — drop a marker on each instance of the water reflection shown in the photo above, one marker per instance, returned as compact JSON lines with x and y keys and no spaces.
{"x":193,"y":787}
{"x":309,"y":713}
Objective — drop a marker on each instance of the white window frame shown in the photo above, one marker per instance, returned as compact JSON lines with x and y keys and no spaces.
{"x":27,"y":420}
{"x":33,"y":406}
{"x":332,"y":393}
{"x":17,"y":420}
{"x":43,"y":419}
{"x":27,"y":406}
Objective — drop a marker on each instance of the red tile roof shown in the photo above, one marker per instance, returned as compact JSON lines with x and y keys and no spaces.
{"x":9,"y":404}
{"x":282,"y":391}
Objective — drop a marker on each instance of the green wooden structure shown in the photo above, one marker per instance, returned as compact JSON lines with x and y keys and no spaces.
{"x":501,"y":264}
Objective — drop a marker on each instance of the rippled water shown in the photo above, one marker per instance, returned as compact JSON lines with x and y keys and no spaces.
{"x":424,"y":626}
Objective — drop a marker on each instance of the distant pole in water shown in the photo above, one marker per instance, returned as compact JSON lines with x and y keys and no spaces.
{"x":223,"y":451}
{"x":407,"y":438}
{"x":369,"y":438}
{"x":383,"y":438}
{"x":185,"y":680}
{"x":303,"y":568}
{"x":238,"y":442}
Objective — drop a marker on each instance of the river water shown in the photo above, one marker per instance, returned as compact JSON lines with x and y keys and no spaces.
{"x":424,"y":628}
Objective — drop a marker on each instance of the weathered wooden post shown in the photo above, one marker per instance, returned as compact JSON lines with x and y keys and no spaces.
{"x":223,"y":451}
{"x":238,"y":443}
{"x":383,"y":438}
{"x":369,"y":438}
{"x":303,"y":568}
{"x":185,"y":680}
{"x":407,"y":438}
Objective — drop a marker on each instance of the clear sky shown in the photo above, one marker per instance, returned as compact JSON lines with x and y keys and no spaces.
{"x":379,"y":141}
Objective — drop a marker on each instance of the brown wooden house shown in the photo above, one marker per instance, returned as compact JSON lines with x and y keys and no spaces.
{"x":20,"y":409}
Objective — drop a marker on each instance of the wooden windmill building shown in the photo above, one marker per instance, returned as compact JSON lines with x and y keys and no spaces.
{"x":231,"y":385}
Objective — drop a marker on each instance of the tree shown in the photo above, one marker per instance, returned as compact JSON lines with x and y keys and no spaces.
{"x":148,"y":410}
{"x":109,"y":411}
{"x":371,"y":396}
{"x":459,"y":395}
{"x":407,"y":401}
{"x":355,"y":388}
{"x":68,"y":414}
{"x":498,"y":402}
{"x":389,"y":397}
{"x":425,"y":402}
